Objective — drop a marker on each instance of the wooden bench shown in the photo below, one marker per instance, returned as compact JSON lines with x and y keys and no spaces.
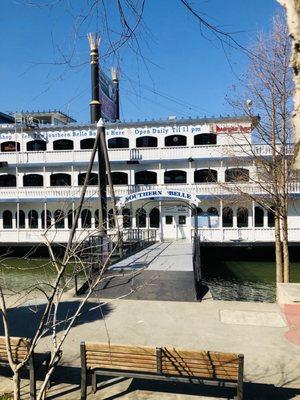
{"x":20,"y":348}
{"x":161,"y":363}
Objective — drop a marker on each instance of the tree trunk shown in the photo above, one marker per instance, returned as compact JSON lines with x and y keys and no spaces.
{"x":16,"y":382}
{"x":286,"y":258}
{"x":278,"y":250}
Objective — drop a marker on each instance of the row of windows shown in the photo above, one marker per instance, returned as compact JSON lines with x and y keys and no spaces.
{"x":242,"y":216}
{"x":121,"y":178}
{"x":113,"y":143}
{"x":59,"y":217}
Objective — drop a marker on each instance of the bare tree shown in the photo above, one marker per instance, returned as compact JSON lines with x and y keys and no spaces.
{"x":267,"y":102}
{"x":81,"y":259}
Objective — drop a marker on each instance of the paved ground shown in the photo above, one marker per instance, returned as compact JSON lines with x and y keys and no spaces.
{"x":163,"y":271}
{"x":260,"y":331}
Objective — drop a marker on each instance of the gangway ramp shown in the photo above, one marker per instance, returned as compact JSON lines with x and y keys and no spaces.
{"x":163,"y":271}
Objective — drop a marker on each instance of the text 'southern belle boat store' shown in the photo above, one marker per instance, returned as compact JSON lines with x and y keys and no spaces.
{"x":164,"y":173}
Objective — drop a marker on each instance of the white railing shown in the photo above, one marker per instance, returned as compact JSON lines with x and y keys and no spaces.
{"x":140,"y":154}
{"x":13,"y":236}
{"x":216,"y":235}
{"x":240,"y":235}
{"x":70,"y":192}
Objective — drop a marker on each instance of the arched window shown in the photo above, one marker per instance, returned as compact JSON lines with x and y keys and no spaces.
{"x":237,"y":175}
{"x":111,"y":220}
{"x":242,"y":217}
{"x":227,"y":221}
{"x":271,"y":217}
{"x":33,"y":219}
{"x":212,"y":211}
{"x":146,"y":141}
{"x":59,"y":219}
{"x":175,"y":176}
{"x":126,"y":218}
{"x":33,"y":180}
{"x":258,"y":217}
{"x":212,"y":217}
{"x":60,"y":179}
{"x":21,"y":219}
{"x":36,"y":145}
{"x":86,"y":219}
{"x":10,"y":146}
{"x":96,"y":218}
{"x":86,"y":144}
{"x":119,"y":178}
{"x":70,"y":218}
{"x":175,"y":140}
{"x":118,"y":143}
{"x":205,"y":175}
{"x":145,"y":178}
{"x":93,"y":179}
{"x":48,"y":219}
{"x":205,"y":138}
{"x":199,"y":211}
{"x":140,"y":216}
{"x":63,"y":144}
{"x":154,"y":218}
{"x":8,"y":180}
{"x":7,"y":219}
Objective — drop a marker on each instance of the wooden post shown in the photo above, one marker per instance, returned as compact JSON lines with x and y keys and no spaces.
{"x":83,"y":371}
{"x":159,"y":360}
{"x":240,"y":377}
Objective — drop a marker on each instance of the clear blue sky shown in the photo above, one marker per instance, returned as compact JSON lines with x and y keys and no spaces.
{"x":183,"y":72}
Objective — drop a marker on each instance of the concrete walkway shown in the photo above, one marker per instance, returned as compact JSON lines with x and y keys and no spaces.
{"x":163,"y":271}
{"x":259,"y":330}
{"x":167,"y":256}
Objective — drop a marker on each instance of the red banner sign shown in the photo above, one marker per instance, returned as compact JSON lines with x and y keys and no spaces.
{"x":233,"y":128}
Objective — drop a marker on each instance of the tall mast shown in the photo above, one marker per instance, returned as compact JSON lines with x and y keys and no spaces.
{"x":95,"y":105}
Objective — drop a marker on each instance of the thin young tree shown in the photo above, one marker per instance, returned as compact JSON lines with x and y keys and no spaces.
{"x":266,"y":99}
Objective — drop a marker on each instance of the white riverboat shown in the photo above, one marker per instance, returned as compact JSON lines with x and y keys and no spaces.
{"x":164,"y":172}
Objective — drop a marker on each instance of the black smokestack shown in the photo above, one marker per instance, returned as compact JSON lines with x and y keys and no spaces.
{"x":115,"y":79}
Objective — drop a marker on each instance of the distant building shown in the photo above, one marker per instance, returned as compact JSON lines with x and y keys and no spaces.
{"x":6,"y":119}
{"x":51,"y":117}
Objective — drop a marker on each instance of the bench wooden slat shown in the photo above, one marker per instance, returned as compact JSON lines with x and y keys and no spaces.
{"x":121,"y":362}
{"x":122,"y":349}
{"x":124,"y":368}
{"x":213,"y":364}
{"x":120,"y":356}
{"x":202,"y":355}
{"x":200,"y":375}
{"x":200,"y":366}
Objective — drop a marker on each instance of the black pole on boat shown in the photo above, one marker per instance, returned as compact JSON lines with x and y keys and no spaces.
{"x":95,"y":106}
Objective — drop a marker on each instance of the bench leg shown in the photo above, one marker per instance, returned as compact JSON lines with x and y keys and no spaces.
{"x":83,"y":383}
{"x":240,"y":382}
{"x":32,"y":378}
{"x":94,"y":382}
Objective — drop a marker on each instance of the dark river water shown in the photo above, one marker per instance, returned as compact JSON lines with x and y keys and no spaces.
{"x":244,"y":280}
{"x":241,"y":280}
{"x":21,"y":273}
